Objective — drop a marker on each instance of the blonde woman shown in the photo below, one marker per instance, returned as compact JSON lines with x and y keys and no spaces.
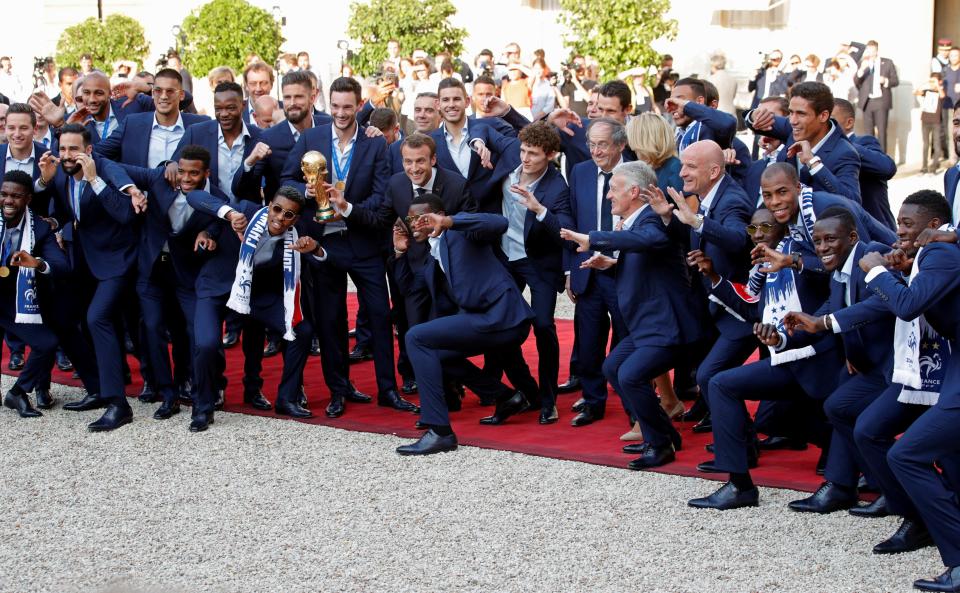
{"x":651,"y":139}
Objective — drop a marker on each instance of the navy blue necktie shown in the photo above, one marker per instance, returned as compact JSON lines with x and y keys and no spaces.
{"x":606,"y":214}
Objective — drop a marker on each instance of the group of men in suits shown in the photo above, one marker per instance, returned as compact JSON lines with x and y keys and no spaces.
{"x":203,"y":219}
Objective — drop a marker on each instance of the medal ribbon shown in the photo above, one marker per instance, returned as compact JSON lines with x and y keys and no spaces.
{"x":345,"y":170}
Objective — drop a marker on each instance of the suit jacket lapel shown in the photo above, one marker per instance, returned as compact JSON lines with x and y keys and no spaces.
{"x":143,"y":147}
{"x":359,"y":150}
{"x":593,"y":216}
{"x":214,"y":143}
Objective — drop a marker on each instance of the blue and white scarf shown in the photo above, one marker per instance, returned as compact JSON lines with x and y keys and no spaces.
{"x":28,"y":307}
{"x":780,"y":289}
{"x":920,"y":356}
{"x":808,"y":217}
{"x":242,"y":287}
{"x":686,"y":137}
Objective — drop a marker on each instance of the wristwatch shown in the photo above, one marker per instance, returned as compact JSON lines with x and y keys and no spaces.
{"x":699,"y":221}
{"x":814,"y":162}
{"x":42,"y":264}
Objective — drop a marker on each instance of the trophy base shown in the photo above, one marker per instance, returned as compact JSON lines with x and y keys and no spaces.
{"x":325,"y":215}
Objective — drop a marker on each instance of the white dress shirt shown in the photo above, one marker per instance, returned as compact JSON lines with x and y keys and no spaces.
{"x":817,"y":148}
{"x":428,"y":186}
{"x":512,"y":241}
{"x":230,"y":158}
{"x":843,"y":276}
{"x":460,"y":151}
{"x":342,"y":155}
{"x":435,"y":251}
{"x":163,"y":141}
{"x":108,"y":125}
{"x":707,"y":202}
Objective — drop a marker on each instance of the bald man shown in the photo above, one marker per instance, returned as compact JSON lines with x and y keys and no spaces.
{"x":716,"y":229}
{"x":265,"y":110}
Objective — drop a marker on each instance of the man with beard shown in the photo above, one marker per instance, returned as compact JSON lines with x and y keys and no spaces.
{"x":103,"y":254}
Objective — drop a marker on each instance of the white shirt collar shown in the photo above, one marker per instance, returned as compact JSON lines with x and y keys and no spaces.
{"x":464,"y":132}
{"x":707,"y":200}
{"x":297,"y":133}
{"x":25,"y":161}
{"x":244,"y":133}
{"x":429,"y":184}
{"x":336,"y":139}
{"x":178,"y":124}
{"x":601,"y":171}
{"x":633,"y":217}
{"x":816,"y":148}
{"x":516,"y":173}
{"x":843,"y":274}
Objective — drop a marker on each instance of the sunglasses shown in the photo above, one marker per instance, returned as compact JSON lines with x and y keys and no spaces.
{"x":287,"y":214}
{"x":763,"y":226}
{"x":412,"y":219}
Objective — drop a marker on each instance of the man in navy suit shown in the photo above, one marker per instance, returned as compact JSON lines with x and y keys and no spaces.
{"x":272,"y":276}
{"x":358,"y":174}
{"x":887,"y":417}
{"x":934,"y":292}
{"x":19,"y":290}
{"x":265,"y":163}
{"x":103,"y":254}
{"x":876,"y":167}
{"x":614,"y":101}
{"x":874,"y":80}
{"x":695,"y":119}
{"x":770,"y":81}
{"x":770,"y":149}
{"x":472,"y":147}
{"x":866,"y":328}
{"x":594,"y":291}
{"x":814,"y":142}
{"x":715,"y":229}
{"x":536,"y":204}
{"x":149,"y":139}
{"x":491,"y":316}
{"x":227,"y":138}
{"x":656,"y":313}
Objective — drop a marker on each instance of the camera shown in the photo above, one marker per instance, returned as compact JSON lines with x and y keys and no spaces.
{"x":39,"y":67}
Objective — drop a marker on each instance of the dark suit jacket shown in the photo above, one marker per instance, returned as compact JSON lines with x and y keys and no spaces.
{"x":575,"y":147}
{"x":715,"y":125}
{"x":478,"y":283}
{"x":366,"y":184}
{"x":876,"y":168}
{"x":130,"y":142}
{"x":865,"y":84}
{"x":483,"y":183}
{"x":40,"y":203}
{"x":841,"y":163}
{"x":741,"y":171}
{"x":777,"y":87}
{"x":583,"y":210}
{"x":245,"y":114}
{"x":206,"y":134}
{"x":105,"y":232}
{"x":950,"y":180}
{"x":656,"y":313}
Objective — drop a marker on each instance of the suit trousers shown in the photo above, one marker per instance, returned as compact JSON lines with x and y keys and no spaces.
{"x":726,"y":353}
{"x":932,"y":438}
{"x":543,"y":301}
{"x":42,"y":341}
{"x":440,"y":348}
{"x":102,"y":299}
{"x":729,"y":390}
{"x":875,"y":117}
{"x":329,"y":311}
{"x":631,"y":370}
{"x":843,"y":407}
{"x":597,"y":309}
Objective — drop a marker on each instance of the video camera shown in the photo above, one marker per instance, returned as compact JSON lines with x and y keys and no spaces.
{"x":39,"y":67}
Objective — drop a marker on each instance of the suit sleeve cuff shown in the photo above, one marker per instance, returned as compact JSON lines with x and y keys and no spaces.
{"x":98,"y":185}
{"x":542,"y":215}
{"x":816,"y":169}
{"x":224,"y":211}
{"x":321,"y":257}
{"x":835,"y":324}
{"x":873,"y":273}
{"x":346,"y":211}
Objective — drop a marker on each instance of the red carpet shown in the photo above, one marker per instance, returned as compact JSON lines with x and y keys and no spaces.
{"x":598,"y":443}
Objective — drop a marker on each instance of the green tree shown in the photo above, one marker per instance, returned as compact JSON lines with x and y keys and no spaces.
{"x":416,"y":24}
{"x":118,"y":37}
{"x":620,"y":34}
{"x":223,"y":32}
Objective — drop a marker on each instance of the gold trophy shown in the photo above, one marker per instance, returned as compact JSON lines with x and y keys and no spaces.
{"x":314,"y":167}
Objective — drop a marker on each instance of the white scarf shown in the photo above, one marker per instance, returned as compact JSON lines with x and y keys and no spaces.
{"x":781,"y":297}
{"x":28,"y":309}
{"x":242,"y":287}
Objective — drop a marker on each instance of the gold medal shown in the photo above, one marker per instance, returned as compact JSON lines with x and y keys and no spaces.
{"x":340,"y":185}
{"x":4,"y":271}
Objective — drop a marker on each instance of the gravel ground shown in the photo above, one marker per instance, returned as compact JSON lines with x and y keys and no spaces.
{"x":263,"y":505}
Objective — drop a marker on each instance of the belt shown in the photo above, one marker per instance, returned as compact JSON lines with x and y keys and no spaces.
{"x":165,"y":256}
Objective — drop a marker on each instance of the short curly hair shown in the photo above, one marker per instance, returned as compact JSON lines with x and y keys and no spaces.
{"x":543,"y":135}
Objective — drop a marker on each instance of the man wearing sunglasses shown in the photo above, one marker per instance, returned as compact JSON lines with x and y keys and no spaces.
{"x":255,"y":271}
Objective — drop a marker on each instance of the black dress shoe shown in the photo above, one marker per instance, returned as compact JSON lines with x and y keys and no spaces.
{"x":653,"y":457}
{"x":230,"y":339}
{"x":949,"y":581}
{"x":293,"y":410}
{"x":549,"y":415}
{"x":201,"y":422}
{"x":696,"y":412}
{"x":409,"y":387}
{"x":20,"y":403}
{"x":828,"y":498}
{"x":572,"y":384}
{"x":256,"y":400}
{"x":429,"y":444}
{"x":877,"y":508}
{"x":167,"y":410}
{"x":588,"y":415}
{"x":357,"y":397}
{"x":336,"y":407}
{"x":360,"y":354}
{"x":641,"y":448}
{"x":578,"y":405}
{"x":315,"y":347}
{"x":781,"y":443}
{"x":272,"y":349}
{"x":705,"y":425}
{"x":63,"y":363}
{"x":127,"y":377}
{"x":392,"y":399}
{"x":910,"y":536}
{"x":16,"y":361}
{"x":728,"y":497}
{"x":91,"y":401}
{"x":148,"y":394}
{"x":113,"y":418}
{"x":44,"y":399}
{"x":514,"y":404}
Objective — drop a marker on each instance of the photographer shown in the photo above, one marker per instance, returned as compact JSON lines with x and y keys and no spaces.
{"x":770,"y":79}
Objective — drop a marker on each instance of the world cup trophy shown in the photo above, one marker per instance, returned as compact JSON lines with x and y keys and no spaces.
{"x":314,"y":167}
